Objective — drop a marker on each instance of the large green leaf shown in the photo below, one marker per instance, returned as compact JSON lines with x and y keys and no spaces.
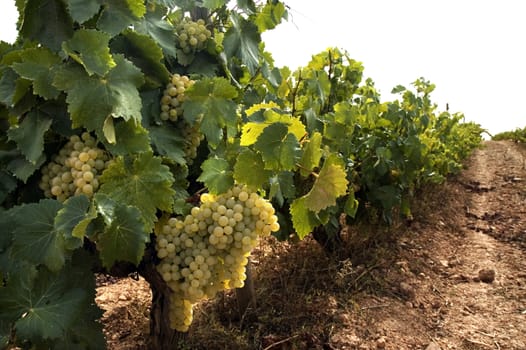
{"x":270,"y":15}
{"x":216,"y":175}
{"x":330,"y":184}
{"x":8,"y":224}
{"x":278,"y":147}
{"x":86,"y":331}
{"x":76,"y":211}
{"x":35,"y":237}
{"x":312,"y":153}
{"x":144,"y":52}
{"x":12,"y":87}
{"x":91,"y":99}
{"x":45,"y":305}
{"x":319,"y":86}
{"x":214,"y":4}
{"x":36,"y":66}
{"x":130,"y":137}
{"x":155,"y":26}
{"x":250,"y":170}
{"x":89,"y":47}
{"x":143,"y":182}
{"x":22,"y":168}
{"x":168,"y":143}
{"x":242,"y":41}
{"x":282,"y":186}
{"x":7,"y":184}
{"x":119,"y":15}
{"x":211,"y":100}
{"x":123,"y":238}
{"x":82,"y":10}
{"x":29,"y":136}
{"x":303,"y":220}
{"x":48,"y":22}
{"x":252,"y":130}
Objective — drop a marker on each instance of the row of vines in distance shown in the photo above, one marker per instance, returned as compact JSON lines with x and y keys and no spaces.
{"x":517,"y":135}
{"x":159,"y":137}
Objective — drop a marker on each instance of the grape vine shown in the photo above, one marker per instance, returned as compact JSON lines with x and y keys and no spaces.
{"x":114,"y":119}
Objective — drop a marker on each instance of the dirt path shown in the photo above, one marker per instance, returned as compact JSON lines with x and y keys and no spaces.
{"x":456,"y":279}
{"x":489,"y":314}
{"x":459,"y":281}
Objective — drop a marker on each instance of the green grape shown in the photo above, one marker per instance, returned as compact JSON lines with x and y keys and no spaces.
{"x":207,"y":251}
{"x":171,"y":110}
{"x":192,"y":36}
{"x":75,"y":169}
{"x":173,"y":97}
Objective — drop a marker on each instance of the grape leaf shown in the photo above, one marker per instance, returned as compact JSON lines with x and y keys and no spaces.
{"x":213,"y":4}
{"x":319,"y":86}
{"x":35,"y":238}
{"x":351,"y":205}
{"x":216,"y":175}
{"x":76,"y":211}
{"x":252,"y":130}
{"x":154,"y":26}
{"x":22,"y":168}
{"x":29,"y":136}
{"x":250,"y":170}
{"x":278,"y":147}
{"x":7,"y":184}
{"x":41,"y":305}
{"x":119,"y":15}
{"x":141,"y":181}
{"x":303,"y":220}
{"x":12,"y":88}
{"x":91,"y":99}
{"x":168,"y":143}
{"x":86,"y":331}
{"x":330,"y":184}
{"x":48,"y":22}
{"x":36,"y":66}
{"x":123,"y":238}
{"x":130,"y":137}
{"x":89,"y":47}
{"x":270,"y":16}
{"x":242,"y":41}
{"x":144,"y":52}
{"x":282,"y":186}
{"x":312,"y":153}
{"x":82,"y":10}
{"x":210,"y":99}
{"x":248,"y":6}
{"x":8,"y":225}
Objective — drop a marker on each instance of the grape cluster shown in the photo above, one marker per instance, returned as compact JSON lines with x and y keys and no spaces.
{"x":192,"y":36}
{"x":173,"y":97}
{"x":75,"y":169}
{"x":171,"y":109}
{"x":207,"y":251}
{"x":192,"y":136}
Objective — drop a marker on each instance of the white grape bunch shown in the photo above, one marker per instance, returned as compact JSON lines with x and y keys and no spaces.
{"x":173,"y":97}
{"x":207,"y":251}
{"x":171,"y":109}
{"x":75,"y":169}
{"x":192,"y":36}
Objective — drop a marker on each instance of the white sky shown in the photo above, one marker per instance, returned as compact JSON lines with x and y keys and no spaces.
{"x":472,"y":50}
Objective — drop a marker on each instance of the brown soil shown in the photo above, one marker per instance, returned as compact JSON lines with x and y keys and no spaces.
{"x":455,"y":278}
